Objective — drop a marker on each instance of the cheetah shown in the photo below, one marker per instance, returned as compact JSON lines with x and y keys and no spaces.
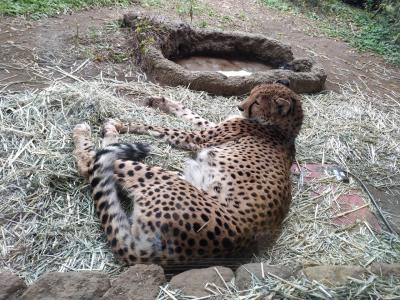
{"x":230,"y":200}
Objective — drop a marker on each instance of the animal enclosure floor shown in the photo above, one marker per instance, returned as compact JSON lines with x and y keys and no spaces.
{"x":89,"y":45}
{"x":49,"y":223}
{"x":59,"y":71}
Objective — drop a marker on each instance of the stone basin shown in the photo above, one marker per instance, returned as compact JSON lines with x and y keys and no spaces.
{"x":218,"y":62}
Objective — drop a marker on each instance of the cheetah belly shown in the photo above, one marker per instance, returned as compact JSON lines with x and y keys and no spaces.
{"x":202,"y":171}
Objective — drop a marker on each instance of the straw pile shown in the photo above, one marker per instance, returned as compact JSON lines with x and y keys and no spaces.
{"x":47,"y":217}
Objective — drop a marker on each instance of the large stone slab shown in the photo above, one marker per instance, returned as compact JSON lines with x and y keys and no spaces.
{"x":245,"y":274}
{"x":11,"y":286}
{"x":334,"y":275}
{"x":385,"y":270}
{"x":68,"y":286}
{"x":140,"y":282}
{"x":193,"y":282}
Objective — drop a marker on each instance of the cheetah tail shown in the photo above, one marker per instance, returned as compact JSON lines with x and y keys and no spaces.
{"x":105,"y":195}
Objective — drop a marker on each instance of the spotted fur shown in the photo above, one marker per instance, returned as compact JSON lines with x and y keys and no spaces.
{"x":231,"y":199}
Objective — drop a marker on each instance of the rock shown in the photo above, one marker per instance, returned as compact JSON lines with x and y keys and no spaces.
{"x":140,"y":282}
{"x":244,"y":273}
{"x":11,"y":286}
{"x":386,"y":270}
{"x":71,"y":285}
{"x":180,"y":40}
{"x":333,"y":275}
{"x":192,"y":282}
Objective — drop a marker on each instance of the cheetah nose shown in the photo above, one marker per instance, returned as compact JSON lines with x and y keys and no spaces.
{"x":240,"y":108}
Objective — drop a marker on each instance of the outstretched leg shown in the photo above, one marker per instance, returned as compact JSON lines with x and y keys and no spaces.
{"x":84,"y":149}
{"x":99,"y":168}
{"x":177,"y":109}
{"x":185,"y":140}
{"x":110,"y":133}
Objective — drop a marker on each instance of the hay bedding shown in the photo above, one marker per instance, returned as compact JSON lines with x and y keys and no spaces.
{"x":48,"y":221}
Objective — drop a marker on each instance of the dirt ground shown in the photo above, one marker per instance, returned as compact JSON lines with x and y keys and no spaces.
{"x":89,"y":44}
{"x":58,"y":42}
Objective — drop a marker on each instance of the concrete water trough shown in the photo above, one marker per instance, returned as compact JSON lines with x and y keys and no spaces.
{"x":218,"y":62}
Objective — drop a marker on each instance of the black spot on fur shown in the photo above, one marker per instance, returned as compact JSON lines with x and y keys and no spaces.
{"x":132,"y":258}
{"x":104,"y":218}
{"x":211,"y":235}
{"x":164,"y":228}
{"x":196,"y":227}
{"x":204,"y":217}
{"x":95,"y":181}
{"x":95,"y":167}
{"x":203,"y":243}
{"x":124,"y":198}
{"x":227,"y":243}
{"x":149,"y":175}
{"x":183,"y":236}
{"x":98,"y":195}
{"x":102,"y":205}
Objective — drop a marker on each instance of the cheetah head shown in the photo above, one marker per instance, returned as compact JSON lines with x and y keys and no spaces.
{"x":274,"y":104}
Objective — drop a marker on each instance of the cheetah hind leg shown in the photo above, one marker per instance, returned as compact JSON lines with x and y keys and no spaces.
{"x":110,"y":132}
{"x":84,"y":151}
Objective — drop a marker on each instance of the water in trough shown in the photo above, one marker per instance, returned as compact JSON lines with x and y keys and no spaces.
{"x":227,"y":66}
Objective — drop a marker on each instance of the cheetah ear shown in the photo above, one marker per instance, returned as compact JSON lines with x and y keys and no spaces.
{"x":283,"y":106}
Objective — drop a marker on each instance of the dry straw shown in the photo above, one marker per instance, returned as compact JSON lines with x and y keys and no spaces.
{"x":47,"y":218}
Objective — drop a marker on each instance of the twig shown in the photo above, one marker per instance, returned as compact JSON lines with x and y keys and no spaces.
{"x":168,"y":293}
{"x":374,"y":202}
{"x":80,"y":66}
{"x":16,"y":82}
{"x":17,"y":131}
{"x":288,"y":282}
{"x":58,"y":69}
{"x":223,"y":280}
{"x":350,"y":211}
{"x":204,"y":225}
{"x":262,"y":270}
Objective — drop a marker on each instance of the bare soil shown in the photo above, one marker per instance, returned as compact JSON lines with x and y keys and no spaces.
{"x":60,"y":41}
{"x":30,"y":48}
{"x":88,"y":44}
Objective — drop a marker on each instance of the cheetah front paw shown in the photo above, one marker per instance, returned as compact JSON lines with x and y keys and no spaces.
{"x":162,"y":103}
{"x":113,"y":126}
{"x":156,"y":102}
